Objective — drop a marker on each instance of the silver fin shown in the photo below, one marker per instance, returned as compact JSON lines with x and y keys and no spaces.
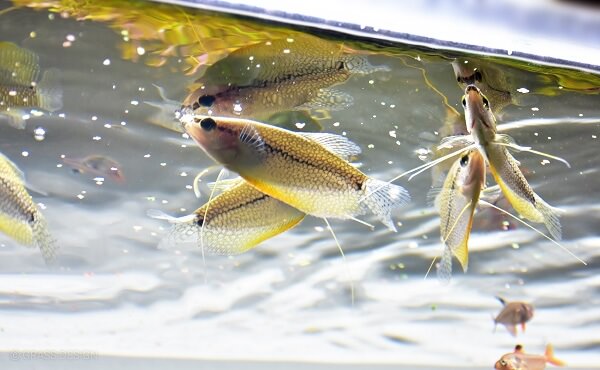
{"x":551,"y":215}
{"x":329,"y":99}
{"x":444,"y":268}
{"x":50,"y":92}
{"x":160,"y":215}
{"x":337,"y":144}
{"x":382,"y":198}
{"x":457,"y":141}
{"x":14,"y":117}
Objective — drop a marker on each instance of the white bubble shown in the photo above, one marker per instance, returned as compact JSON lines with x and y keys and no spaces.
{"x":106,"y":62}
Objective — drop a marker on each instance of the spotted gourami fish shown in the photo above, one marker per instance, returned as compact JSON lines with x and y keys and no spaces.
{"x":307,"y":171}
{"x":279,"y":75}
{"x":519,"y":360}
{"x":513,"y":314}
{"x":456,"y":203}
{"x":234,"y":221}
{"x":503,"y":166}
{"x":97,"y":165}
{"x":19,"y":88}
{"x":20,"y":218}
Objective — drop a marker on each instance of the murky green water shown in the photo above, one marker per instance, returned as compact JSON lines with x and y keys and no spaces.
{"x":115,"y":292}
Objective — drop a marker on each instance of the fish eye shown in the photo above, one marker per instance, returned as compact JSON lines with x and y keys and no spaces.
{"x":486,"y":103}
{"x":502,"y":362}
{"x":478,"y":77}
{"x":464,"y":160}
{"x":208,"y":124}
{"x":464,"y":101}
{"x":206,"y":100}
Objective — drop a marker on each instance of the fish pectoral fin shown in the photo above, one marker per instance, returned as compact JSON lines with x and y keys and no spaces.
{"x":250,"y":136}
{"x":434,"y":195}
{"x":491,"y":193}
{"x":337,"y":144}
{"x":382,"y":197}
{"x":457,"y":141}
{"x":329,"y":99}
{"x":14,"y":117}
{"x":508,"y":141}
{"x":224,"y":184}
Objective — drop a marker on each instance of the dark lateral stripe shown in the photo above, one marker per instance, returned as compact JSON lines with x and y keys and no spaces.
{"x":321,"y":166}
{"x":200,"y":220}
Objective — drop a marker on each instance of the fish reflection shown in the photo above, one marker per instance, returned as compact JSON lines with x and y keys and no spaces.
{"x":234,"y":221}
{"x":97,"y":165}
{"x":519,"y":360}
{"x":19,"y":86}
{"x":279,"y":75}
{"x":513,"y":314}
{"x":20,"y":218}
{"x":307,"y":171}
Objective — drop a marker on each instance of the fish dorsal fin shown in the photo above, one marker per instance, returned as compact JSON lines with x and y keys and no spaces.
{"x":17,"y":172}
{"x":337,"y":144}
{"x":329,"y":99}
{"x":252,"y":138}
{"x":225,"y":184}
{"x":160,"y":215}
{"x":19,"y":65}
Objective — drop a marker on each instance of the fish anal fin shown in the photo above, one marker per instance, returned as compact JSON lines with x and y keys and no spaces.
{"x":512,"y":329}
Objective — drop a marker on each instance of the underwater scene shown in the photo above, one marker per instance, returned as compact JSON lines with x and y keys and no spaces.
{"x":184,"y":188}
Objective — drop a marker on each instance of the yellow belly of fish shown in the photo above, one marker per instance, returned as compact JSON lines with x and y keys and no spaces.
{"x":522,"y":206}
{"x":18,"y":230}
{"x":315,"y":202}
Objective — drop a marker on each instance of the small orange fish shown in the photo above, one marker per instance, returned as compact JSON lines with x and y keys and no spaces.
{"x":513,"y":314}
{"x":97,"y":165}
{"x":519,"y":360}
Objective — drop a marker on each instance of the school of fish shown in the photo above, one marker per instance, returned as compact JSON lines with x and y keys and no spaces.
{"x":285,"y":175}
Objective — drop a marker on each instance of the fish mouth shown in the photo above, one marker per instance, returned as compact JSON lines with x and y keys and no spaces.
{"x":475,"y":106}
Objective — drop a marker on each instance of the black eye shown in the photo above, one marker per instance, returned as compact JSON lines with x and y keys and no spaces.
{"x":464,"y":102}
{"x":464,"y":161}
{"x":206,"y":100}
{"x":486,"y":103}
{"x":208,"y":124}
{"x":478,"y":76}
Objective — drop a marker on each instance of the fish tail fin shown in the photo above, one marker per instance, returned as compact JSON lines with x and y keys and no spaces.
{"x":50,"y":92}
{"x":444,"y":268}
{"x":551,"y":217}
{"x":549,"y":354}
{"x":43,"y":239}
{"x":381,"y":198}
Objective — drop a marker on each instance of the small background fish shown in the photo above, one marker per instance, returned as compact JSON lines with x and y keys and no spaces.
{"x":513,"y":314}
{"x":97,"y":165}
